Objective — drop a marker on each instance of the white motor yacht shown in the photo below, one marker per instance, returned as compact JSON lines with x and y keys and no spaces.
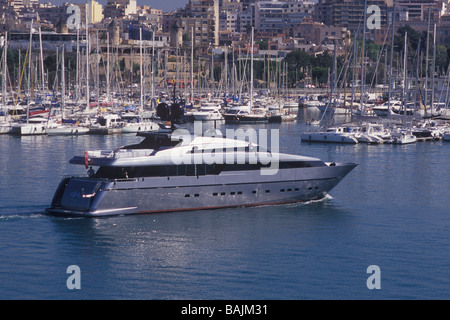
{"x":34,"y":126}
{"x":331,"y":135}
{"x":208,"y":112}
{"x":139,"y":122}
{"x":107,"y":124}
{"x":402,"y":136}
{"x":370,"y":133}
{"x":66,"y":129}
{"x":382,"y":110}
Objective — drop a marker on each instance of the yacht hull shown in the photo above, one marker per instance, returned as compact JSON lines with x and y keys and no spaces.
{"x":5,"y":128}
{"x":29,"y":129}
{"x":246,"y":118}
{"x":102,"y":197}
{"x":67,"y":131}
{"x":204,"y":116}
{"x":139,"y":127}
{"x":328,"y":137}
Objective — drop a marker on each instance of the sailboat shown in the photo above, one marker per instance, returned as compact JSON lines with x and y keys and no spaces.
{"x":403,"y":135}
{"x":141,"y":121}
{"x":335,"y":134}
{"x":65,"y":128}
{"x":5,"y":123}
{"x":247,"y":113}
{"x":34,"y":125}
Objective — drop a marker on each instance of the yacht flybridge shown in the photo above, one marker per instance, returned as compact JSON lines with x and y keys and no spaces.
{"x":168,"y":172}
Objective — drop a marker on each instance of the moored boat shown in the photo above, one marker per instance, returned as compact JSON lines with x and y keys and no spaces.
{"x":331,"y":135}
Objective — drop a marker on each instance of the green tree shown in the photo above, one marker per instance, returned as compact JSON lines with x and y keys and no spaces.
{"x":297,"y":59}
{"x":320,"y":74}
{"x":323,"y":60}
{"x":442,"y":58}
{"x":263,"y":44}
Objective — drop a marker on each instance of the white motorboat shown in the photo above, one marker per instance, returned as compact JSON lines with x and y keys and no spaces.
{"x":382,"y":110}
{"x":143,"y":126}
{"x":208,"y":112}
{"x":140,"y":122}
{"x":245,"y":114}
{"x":290,"y":106}
{"x":401,"y":136}
{"x":64,"y":129}
{"x":370,"y":133}
{"x":313,"y":104}
{"x":34,"y":126}
{"x":173,"y":172}
{"x":110,"y":123}
{"x":331,"y":135}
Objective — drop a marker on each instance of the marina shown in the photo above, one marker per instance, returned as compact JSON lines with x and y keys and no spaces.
{"x":105,"y":170}
{"x":391,"y":211}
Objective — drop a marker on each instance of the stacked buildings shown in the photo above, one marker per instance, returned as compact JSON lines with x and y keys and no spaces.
{"x":305,"y":24}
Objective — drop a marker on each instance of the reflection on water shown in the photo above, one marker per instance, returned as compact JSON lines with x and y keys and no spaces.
{"x":390,"y":211}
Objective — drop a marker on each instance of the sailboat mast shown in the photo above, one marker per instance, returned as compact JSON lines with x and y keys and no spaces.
{"x":391,"y":59}
{"x":433,"y":71}
{"x":405,"y":73}
{"x":140,"y":70}
{"x":192,"y":65}
{"x":426,"y":61}
{"x":87,"y":60}
{"x":29,"y":73}
{"x":42,"y":62}
{"x":108,"y":90}
{"x":63,"y":84}
{"x":5,"y":61}
{"x":153,"y":62}
{"x":77,"y":74}
{"x":251,"y":71}
{"x":363,"y":77}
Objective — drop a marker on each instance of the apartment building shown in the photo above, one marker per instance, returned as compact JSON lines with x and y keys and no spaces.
{"x":318,"y":33}
{"x":119,"y":8}
{"x":230,"y":16}
{"x":418,"y":9}
{"x":201,"y":16}
{"x":348,"y":13}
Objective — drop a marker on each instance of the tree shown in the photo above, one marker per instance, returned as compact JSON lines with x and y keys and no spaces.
{"x":297,"y":59}
{"x":263,"y":44}
{"x":320,"y":74}
{"x":323,"y":60}
{"x":442,"y":58}
{"x":412,"y":39}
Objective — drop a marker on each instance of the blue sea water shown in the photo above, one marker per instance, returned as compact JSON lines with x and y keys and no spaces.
{"x":391,"y":211}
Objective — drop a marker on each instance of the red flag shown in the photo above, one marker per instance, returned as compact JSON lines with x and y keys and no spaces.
{"x":86,"y":159}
